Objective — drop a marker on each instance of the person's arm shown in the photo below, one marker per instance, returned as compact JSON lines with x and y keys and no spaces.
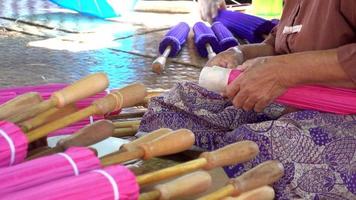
{"x":336,"y":67}
{"x":265,"y":78}
{"x":235,"y":56}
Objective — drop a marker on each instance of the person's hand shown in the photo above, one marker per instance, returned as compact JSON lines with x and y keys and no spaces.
{"x":209,"y":9}
{"x":230,"y":58}
{"x":262,"y":80}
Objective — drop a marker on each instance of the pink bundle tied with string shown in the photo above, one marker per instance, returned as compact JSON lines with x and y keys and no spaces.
{"x":325,"y":99}
{"x":111,"y":183}
{"x":72,"y":162}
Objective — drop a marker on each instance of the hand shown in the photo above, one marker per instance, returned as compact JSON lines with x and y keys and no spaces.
{"x":209,"y":8}
{"x":230,"y":58}
{"x":260,"y":83}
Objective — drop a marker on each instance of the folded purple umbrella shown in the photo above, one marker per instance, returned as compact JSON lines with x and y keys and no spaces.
{"x":245,"y":26}
{"x":175,"y":38}
{"x":205,"y":40}
{"x":225,"y":37}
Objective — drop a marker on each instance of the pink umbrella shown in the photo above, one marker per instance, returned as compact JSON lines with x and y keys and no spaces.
{"x":74,"y":161}
{"x":326,"y":99}
{"x":111,"y":183}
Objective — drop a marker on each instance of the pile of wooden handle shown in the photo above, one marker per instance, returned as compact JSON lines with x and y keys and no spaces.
{"x":37,"y":118}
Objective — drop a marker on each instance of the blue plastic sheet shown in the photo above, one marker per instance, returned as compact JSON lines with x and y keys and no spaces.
{"x":98,"y":8}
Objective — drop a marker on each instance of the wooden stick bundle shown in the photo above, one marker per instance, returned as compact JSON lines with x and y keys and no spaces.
{"x":184,"y":186}
{"x":174,"y":142}
{"x":81,"y":89}
{"x":264,"y":174}
{"x":231,"y":154}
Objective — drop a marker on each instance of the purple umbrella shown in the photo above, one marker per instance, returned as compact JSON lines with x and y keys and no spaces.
{"x":245,"y":26}
{"x":205,"y":40}
{"x":171,"y":45}
{"x":225,"y":37}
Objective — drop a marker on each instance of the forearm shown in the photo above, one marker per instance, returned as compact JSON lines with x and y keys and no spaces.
{"x":313,"y":67}
{"x":251,"y":51}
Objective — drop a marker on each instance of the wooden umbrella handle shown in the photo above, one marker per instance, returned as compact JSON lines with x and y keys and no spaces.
{"x":125,"y":124}
{"x":159,"y":64}
{"x":18,"y":104}
{"x":45,"y":152}
{"x":88,"y":135}
{"x":81,"y":89}
{"x":124,"y":97}
{"x":262,"y":193}
{"x":146,"y":138}
{"x":127,"y":131}
{"x":174,"y":142}
{"x":47,"y":116}
{"x":265,"y":173}
{"x":109,"y":103}
{"x":185,"y":186}
{"x":238,"y":152}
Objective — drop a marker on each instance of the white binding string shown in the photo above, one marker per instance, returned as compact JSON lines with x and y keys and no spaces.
{"x":71,"y":161}
{"x":11,"y":145}
{"x":91,"y":119}
{"x":112,"y":181}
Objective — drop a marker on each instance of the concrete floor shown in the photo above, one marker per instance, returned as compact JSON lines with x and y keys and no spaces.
{"x":128,"y":60}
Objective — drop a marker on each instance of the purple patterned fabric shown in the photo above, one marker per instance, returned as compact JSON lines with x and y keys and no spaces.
{"x":225,"y":37}
{"x":204,"y":35}
{"x":317,"y":149}
{"x":245,"y":26}
{"x":175,"y":38}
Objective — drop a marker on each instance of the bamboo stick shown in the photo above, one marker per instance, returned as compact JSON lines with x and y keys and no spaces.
{"x":261,"y":193}
{"x":127,"y":131}
{"x":125,"y":124}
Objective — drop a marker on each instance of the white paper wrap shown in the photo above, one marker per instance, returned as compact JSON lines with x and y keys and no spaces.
{"x":214,"y":78}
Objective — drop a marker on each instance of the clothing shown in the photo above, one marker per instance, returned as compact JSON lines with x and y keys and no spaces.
{"x":317,"y":149}
{"x":326,"y":24}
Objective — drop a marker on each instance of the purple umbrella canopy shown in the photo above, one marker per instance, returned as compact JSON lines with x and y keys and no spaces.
{"x":204,"y":35}
{"x":225,"y":37}
{"x":245,"y":26}
{"x":175,"y":39}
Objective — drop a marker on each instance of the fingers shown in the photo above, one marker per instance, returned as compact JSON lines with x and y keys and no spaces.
{"x":232,"y":89}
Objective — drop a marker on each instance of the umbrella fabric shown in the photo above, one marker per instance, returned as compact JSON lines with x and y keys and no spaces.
{"x":175,"y":38}
{"x":245,"y":26}
{"x":225,"y":37}
{"x":204,"y":35}
{"x":111,"y":183}
{"x":13,"y":144}
{"x":74,"y":161}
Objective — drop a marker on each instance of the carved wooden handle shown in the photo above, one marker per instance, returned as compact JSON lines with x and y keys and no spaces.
{"x":81,"y":89}
{"x":127,"y":131}
{"x":185,"y":186}
{"x":146,"y":138}
{"x":231,"y":154}
{"x":262,"y":193}
{"x":174,"y":142}
{"x":122,"y":98}
{"x":18,"y":104}
{"x":88,"y":135}
{"x":265,"y":173}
